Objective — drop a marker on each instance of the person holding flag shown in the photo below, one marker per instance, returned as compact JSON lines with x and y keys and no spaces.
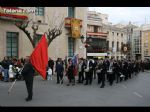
{"x":28,"y":73}
{"x":38,"y":60}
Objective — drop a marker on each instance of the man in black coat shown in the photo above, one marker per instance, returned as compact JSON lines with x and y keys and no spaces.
{"x":59,"y":71}
{"x":125,"y":69}
{"x":28,"y":73}
{"x":81,"y":66}
{"x":116,"y":70}
{"x":5,"y":65}
{"x":89,"y":74}
{"x":94,"y":68}
{"x":103,"y":73}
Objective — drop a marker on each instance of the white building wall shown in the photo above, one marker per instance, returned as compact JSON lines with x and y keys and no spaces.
{"x":53,"y":15}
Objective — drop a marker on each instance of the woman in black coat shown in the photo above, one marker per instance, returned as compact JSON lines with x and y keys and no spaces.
{"x":70,"y":69}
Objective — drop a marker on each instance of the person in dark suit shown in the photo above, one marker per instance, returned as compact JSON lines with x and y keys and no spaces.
{"x":59,"y":70}
{"x":103,"y":73}
{"x":81,"y":70}
{"x":111,"y":74}
{"x":116,"y":71}
{"x":94,"y":68}
{"x":28,"y":73}
{"x":69,"y":73}
{"x":129,"y":69}
{"x":99,"y":74}
{"x":89,"y":73}
{"x":5,"y":65}
{"x":125,"y":70}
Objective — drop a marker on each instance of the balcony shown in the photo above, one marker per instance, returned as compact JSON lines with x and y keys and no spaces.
{"x":13,"y":13}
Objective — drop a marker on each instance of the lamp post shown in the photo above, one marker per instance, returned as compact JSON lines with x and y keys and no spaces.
{"x":82,"y":39}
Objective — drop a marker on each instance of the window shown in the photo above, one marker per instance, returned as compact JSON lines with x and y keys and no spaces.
{"x":112,"y":44}
{"x":12,"y":44}
{"x":71,"y":12}
{"x":117,"y":34}
{"x":71,"y":42}
{"x":39,"y":11}
{"x":113,"y":33}
{"x":95,"y":29}
{"x":121,"y":43}
{"x":117,"y":46}
{"x":121,"y":34}
{"x":38,"y":38}
{"x":107,"y":45}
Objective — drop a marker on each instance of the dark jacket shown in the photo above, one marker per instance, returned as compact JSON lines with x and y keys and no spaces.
{"x":28,"y":70}
{"x":70,"y":72}
{"x":91,"y":66}
{"x":59,"y":68}
{"x":5,"y":64}
{"x":51,"y":63}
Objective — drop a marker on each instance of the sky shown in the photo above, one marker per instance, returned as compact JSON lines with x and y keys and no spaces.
{"x":137,"y":15}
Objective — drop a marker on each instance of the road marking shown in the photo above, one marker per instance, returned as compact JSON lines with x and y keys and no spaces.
{"x":138,"y":94}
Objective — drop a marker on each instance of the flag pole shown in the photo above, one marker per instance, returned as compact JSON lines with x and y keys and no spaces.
{"x":9,"y":90}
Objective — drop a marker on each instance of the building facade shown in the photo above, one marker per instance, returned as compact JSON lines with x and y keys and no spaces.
{"x":107,"y":39}
{"x":117,"y":36}
{"x":14,"y":42}
{"x":97,"y":48}
{"x":136,"y":44}
{"x":130,"y":39}
{"x":145,"y":42}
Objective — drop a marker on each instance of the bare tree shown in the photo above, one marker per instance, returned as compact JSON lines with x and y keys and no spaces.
{"x":53,"y":30}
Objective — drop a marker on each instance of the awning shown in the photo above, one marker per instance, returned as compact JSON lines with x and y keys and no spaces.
{"x":97,"y":34}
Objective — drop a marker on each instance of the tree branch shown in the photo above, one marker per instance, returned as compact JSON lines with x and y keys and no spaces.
{"x":52,"y":34}
{"x":22,"y":26}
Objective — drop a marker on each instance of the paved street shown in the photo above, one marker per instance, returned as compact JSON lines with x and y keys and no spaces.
{"x":133,"y":92}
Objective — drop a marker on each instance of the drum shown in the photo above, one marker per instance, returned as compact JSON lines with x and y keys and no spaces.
{"x":98,"y":71}
{"x":110,"y":71}
{"x":86,"y":70}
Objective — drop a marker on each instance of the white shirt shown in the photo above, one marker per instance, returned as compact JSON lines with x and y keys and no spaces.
{"x":49,"y":71}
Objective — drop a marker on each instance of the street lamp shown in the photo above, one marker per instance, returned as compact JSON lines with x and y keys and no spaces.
{"x":86,"y":42}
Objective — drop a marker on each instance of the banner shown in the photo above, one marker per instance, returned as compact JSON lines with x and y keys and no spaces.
{"x":75,"y":28}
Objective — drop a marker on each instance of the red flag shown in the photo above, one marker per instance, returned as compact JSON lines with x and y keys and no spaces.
{"x":39,"y":57}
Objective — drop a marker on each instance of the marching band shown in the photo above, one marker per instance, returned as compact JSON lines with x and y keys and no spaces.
{"x":88,"y":69}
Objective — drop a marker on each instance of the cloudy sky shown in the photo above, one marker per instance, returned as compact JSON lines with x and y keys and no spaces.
{"x":137,"y":15}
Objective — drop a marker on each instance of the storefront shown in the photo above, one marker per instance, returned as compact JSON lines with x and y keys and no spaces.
{"x":97,"y":48}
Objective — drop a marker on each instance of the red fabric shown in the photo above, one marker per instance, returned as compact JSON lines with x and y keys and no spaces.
{"x":39,"y":57}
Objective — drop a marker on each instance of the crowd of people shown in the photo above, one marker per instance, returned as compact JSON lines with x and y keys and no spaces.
{"x":104,"y":70}
{"x":10,"y":68}
{"x":84,"y":70}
